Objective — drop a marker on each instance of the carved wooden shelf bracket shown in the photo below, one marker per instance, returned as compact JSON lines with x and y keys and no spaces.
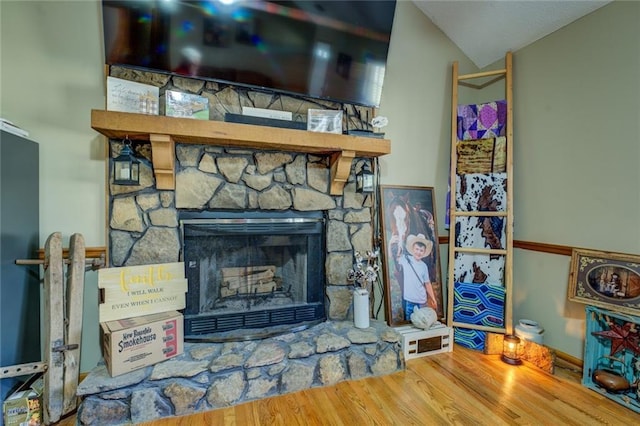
{"x":164,"y":132}
{"x":164,"y":159}
{"x":340,"y":168}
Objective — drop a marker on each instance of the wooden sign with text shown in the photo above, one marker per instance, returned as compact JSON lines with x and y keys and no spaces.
{"x":132,"y":291}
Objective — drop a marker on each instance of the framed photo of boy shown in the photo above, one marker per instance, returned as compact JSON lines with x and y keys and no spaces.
{"x":605,"y":279}
{"x":411,"y":257}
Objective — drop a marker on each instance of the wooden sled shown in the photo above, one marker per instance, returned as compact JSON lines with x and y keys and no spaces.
{"x":63,"y":302}
{"x":63,"y":325}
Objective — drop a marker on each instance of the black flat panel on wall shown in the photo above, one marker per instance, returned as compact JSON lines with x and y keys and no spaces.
{"x":19,"y":229}
{"x":335,"y":50}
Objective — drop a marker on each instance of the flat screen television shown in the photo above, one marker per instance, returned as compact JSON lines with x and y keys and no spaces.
{"x":334,"y":50}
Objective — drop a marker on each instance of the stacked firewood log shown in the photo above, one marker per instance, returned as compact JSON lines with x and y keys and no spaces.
{"x":248,"y":280}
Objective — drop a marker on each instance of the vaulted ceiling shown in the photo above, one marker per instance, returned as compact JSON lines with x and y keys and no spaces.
{"x":485,"y":29}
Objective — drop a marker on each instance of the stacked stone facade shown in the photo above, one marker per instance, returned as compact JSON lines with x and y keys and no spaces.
{"x":144,"y":226}
{"x":143,"y":221}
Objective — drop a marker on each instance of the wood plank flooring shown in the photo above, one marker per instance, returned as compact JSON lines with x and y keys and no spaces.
{"x":463,"y":387}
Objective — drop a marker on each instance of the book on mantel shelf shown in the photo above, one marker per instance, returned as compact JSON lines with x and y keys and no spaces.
{"x":8,"y":126}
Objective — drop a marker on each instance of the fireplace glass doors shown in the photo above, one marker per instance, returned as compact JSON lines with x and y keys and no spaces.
{"x":252,"y":272}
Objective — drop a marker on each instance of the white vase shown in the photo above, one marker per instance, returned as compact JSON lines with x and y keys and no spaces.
{"x":529,"y":330}
{"x":361,"y":308}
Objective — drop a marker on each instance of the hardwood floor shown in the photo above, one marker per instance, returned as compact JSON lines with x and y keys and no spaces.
{"x":463,"y":387}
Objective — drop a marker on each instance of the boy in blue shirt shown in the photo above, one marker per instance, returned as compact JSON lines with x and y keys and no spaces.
{"x":416,"y":286}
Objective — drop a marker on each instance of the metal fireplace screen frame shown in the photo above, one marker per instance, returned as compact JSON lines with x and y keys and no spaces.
{"x":209,"y":237}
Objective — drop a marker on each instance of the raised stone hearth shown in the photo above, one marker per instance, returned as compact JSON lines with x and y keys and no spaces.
{"x":216,"y":375}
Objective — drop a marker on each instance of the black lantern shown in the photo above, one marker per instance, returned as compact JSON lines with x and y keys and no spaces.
{"x":364,"y":180}
{"x":512,"y":350}
{"x":126,"y":167}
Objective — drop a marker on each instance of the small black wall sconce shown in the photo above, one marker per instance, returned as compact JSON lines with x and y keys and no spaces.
{"x":126,"y":167}
{"x":364,"y":180}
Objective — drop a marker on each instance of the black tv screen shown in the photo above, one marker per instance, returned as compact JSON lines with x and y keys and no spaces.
{"x":335,"y":50}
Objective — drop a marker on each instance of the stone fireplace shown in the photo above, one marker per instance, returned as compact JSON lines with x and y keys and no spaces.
{"x":300,"y":265}
{"x":144,"y":223}
{"x":221,"y":183}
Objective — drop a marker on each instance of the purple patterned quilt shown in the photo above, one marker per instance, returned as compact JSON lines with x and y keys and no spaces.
{"x":480,"y":121}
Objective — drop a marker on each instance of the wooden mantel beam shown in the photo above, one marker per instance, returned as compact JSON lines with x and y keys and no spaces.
{"x":163,"y":132}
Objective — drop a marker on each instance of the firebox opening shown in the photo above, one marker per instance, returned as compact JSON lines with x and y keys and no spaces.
{"x":255,"y":271}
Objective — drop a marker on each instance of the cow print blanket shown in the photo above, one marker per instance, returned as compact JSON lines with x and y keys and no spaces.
{"x":479,"y":268}
{"x":481,"y":192}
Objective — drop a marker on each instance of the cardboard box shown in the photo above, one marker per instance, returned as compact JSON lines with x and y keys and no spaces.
{"x":132,"y":343}
{"x":132,"y":291}
{"x":24,"y":406}
{"x":417,"y":342}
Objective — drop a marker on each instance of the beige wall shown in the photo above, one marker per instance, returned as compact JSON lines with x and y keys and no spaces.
{"x":576,"y":145}
{"x":51,"y":76}
{"x":577,"y":150}
{"x":576,"y":134}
